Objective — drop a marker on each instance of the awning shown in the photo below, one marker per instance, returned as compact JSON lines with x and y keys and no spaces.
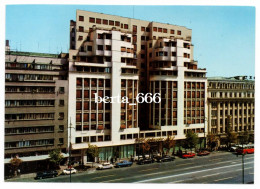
{"x":34,"y":158}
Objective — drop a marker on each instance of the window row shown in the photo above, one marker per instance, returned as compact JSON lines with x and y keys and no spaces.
{"x":27,"y":130}
{"x":30,"y":116}
{"x":29,"y":143}
{"x":30,"y":89}
{"x":193,"y":94}
{"x":165,"y":30}
{"x":87,"y":139}
{"x":87,"y":117}
{"x":32,"y":66}
{"x":14,"y":103}
{"x":27,"y":77}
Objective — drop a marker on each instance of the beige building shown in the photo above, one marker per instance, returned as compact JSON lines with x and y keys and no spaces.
{"x":36,"y":90}
{"x":112,"y":55}
{"x":231,"y":100}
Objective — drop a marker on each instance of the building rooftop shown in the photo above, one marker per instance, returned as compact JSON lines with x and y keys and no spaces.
{"x":234,"y":78}
{"x":33,"y":54}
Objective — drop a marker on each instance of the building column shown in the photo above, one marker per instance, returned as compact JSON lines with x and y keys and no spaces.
{"x":218,"y":117}
{"x":224,"y":116}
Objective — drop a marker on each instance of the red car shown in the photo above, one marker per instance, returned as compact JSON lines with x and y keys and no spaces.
{"x":203,"y":153}
{"x":188,"y":155}
{"x":245,"y":150}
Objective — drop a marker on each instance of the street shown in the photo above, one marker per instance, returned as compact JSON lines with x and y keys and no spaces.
{"x":218,"y":167}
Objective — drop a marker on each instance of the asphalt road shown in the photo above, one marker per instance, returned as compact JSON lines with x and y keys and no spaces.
{"x":222,"y":167}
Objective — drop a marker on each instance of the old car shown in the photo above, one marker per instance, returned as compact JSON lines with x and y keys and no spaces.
{"x":105,"y":166}
{"x":69,"y":170}
{"x":203,"y":153}
{"x":188,"y":155}
{"x":46,"y":174}
{"x":124,"y":163}
{"x":145,"y":161}
{"x":165,"y":158}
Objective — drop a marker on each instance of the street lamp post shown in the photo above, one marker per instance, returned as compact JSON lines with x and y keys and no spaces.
{"x":205,"y":141}
{"x":70,"y":149}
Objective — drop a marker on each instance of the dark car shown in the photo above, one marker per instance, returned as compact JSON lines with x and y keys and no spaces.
{"x":46,"y":174}
{"x":165,"y":158}
{"x":145,"y":161}
{"x":124,"y":163}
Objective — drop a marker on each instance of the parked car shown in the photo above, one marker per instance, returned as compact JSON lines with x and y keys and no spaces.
{"x":105,"y":166}
{"x":188,"y":155}
{"x":203,"y":153}
{"x":46,"y":174}
{"x":145,"y":161}
{"x":165,"y":158}
{"x":246,"y":149}
{"x":124,"y":163}
{"x":67,"y":171}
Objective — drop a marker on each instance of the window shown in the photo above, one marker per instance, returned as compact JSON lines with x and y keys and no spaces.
{"x":108,"y":47}
{"x":143,"y":47}
{"x":111,"y":23}
{"x":142,"y":28}
{"x":143,"y":38}
{"x":172,"y":31}
{"x":98,"y":20}
{"x":81,"y":29}
{"x":100,"y":47}
{"x":125,"y":26}
{"x":142,"y":56}
{"x":61,"y":140}
{"x":134,"y":28}
{"x":155,"y":29}
{"x":89,"y":48}
{"x":61,"y":102}
{"x":117,"y":23}
{"x":179,"y":32}
{"x":164,"y":30}
{"x":105,"y":22}
{"x":61,"y":116}
{"x":78,"y":140}
{"x":91,"y":20}
{"x":159,"y":29}
{"x":61,"y":128}
{"x":81,"y":18}
{"x":61,"y":90}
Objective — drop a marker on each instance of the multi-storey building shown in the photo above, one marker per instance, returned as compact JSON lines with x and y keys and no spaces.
{"x":231,"y":101}
{"x":36,"y":90}
{"x":117,"y":56}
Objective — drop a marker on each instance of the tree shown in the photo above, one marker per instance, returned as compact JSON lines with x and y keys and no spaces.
{"x":191,"y":140}
{"x":231,"y":136}
{"x":212,"y":140}
{"x":93,"y":151}
{"x":15,"y":163}
{"x":145,"y":147}
{"x":169,"y":143}
{"x":244,"y":138}
{"x":56,"y":157}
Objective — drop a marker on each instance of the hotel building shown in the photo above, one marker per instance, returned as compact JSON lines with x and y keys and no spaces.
{"x":231,"y":100}
{"x":112,"y":55}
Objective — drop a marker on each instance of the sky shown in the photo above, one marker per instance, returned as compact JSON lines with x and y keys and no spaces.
{"x":223,"y":36}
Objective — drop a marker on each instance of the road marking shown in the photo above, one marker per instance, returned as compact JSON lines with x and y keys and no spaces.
{"x":113,"y":180}
{"x":182,"y":174}
{"x":102,"y":177}
{"x":223,"y":179}
{"x":148,"y":169}
{"x":216,"y":159}
{"x":211,"y":175}
{"x":184,"y":164}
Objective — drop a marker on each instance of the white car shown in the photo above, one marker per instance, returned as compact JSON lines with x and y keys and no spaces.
{"x":67,"y":171}
{"x":105,"y":166}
